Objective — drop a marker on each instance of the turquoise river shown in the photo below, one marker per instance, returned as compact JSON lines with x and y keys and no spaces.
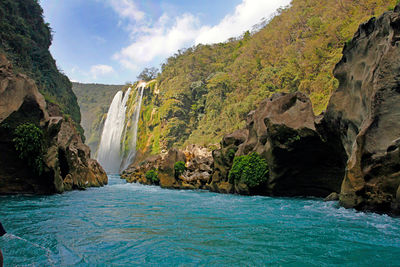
{"x":129,"y":224}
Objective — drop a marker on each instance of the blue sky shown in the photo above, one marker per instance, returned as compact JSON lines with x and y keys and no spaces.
{"x":111,"y":41}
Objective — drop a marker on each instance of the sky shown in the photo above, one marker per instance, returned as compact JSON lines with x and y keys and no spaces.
{"x":112,"y":41}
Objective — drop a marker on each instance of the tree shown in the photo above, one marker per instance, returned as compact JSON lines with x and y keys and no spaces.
{"x":148,"y":74}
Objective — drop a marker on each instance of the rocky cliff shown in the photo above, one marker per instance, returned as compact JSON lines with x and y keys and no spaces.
{"x":365,"y":113}
{"x":64,"y":160}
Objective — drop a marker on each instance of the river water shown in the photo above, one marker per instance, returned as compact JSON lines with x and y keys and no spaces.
{"x":130,"y":224}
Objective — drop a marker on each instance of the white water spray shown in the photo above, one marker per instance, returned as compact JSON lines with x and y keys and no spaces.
{"x":135,"y":123}
{"x":109,"y":155}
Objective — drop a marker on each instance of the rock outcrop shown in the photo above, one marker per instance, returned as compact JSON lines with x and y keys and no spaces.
{"x":283,"y":131}
{"x":198,"y":162}
{"x":66,"y":160}
{"x":163,"y":165}
{"x":365,"y":113}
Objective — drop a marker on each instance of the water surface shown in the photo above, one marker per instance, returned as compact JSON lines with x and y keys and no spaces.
{"x":130,"y":224}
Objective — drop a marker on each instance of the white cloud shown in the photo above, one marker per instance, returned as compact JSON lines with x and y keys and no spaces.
{"x":164,"y":37}
{"x":246,"y":15}
{"x":101,"y":70}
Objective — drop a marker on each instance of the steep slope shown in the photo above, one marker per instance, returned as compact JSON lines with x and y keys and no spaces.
{"x":94,"y":101}
{"x":25,"y":39}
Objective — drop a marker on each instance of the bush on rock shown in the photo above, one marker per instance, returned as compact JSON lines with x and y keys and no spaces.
{"x":251,"y":170}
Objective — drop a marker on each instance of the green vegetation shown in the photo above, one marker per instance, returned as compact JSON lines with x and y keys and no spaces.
{"x":25,"y":39}
{"x":179,"y":168}
{"x":251,"y":170}
{"x":28,"y":143}
{"x":148,"y":74}
{"x":152,"y":175}
{"x":94,"y":101}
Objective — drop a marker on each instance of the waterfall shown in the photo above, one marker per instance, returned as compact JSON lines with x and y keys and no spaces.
{"x":109,"y":155}
{"x":134,"y":129}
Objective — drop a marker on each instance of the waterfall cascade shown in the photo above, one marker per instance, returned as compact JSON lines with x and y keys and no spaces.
{"x":109,"y":155}
{"x":134,"y":129}
{"x":114,"y":139}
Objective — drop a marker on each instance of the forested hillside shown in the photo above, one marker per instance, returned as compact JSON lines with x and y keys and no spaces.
{"x":94,"y":101}
{"x":206,"y":91}
{"x":25,"y":39}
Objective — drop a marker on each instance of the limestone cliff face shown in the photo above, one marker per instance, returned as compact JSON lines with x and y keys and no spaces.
{"x":365,"y":113}
{"x":67,"y":163}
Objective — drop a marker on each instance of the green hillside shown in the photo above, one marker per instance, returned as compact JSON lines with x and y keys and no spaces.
{"x":25,"y":39}
{"x":94,"y":101}
{"x":206,"y":91}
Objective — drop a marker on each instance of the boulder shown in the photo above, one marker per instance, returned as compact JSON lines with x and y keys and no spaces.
{"x":332,"y":197}
{"x":365,"y":113}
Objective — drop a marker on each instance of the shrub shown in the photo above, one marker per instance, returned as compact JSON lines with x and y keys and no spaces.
{"x":249,"y":169}
{"x":152,"y":175}
{"x":28,"y":143}
{"x":179,"y":168}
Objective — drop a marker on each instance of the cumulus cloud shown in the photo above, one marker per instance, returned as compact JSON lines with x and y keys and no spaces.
{"x":101,"y":70}
{"x":164,"y":37}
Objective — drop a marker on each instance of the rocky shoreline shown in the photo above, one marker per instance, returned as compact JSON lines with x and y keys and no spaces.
{"x":351,"y":150}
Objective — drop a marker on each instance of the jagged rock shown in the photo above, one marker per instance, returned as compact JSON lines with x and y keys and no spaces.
{"x":66,"y":161}
{"x":365,"y":113}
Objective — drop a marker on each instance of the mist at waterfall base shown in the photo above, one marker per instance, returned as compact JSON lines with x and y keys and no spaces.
{"x":131,"y":224}
{"x":110,"y":154}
